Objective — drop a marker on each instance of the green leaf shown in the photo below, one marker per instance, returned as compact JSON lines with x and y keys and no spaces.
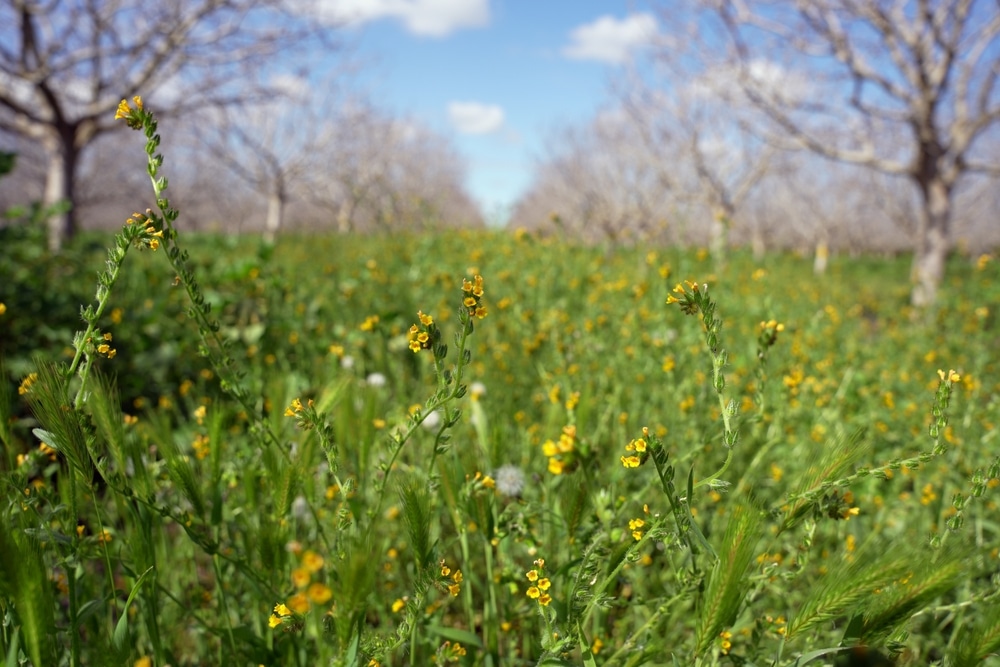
{"x":121,"y":628}
{"x":588,"y":655}
{"x":13,"y":650}
{"x":456,"y":635}
{"x":806,"y":658}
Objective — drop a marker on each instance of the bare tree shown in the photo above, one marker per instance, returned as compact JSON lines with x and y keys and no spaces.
{"x":376,"y":172}
{"x":839,"y":76}
{"x":706,"y":156}
{"x":65,"y":65}
{"x":599,"y":183}
{"x":268,"y":144}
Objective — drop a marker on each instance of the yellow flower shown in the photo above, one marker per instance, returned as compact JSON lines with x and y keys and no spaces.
{"x":532,"y":575}
{"x":630,"y":461}
{"x":123,"y":110}
{"x":398,"y":605}
{"x":320,"y":593}
{"x":3,"y":308}
{"x":300,"y":577}
{"x":281,"y":610}
{"x":312,"y":561}
{"x":299,"y":603}
{"x":25,"y":386}
{"x":533,"y":592}
{"x":273,"y":621}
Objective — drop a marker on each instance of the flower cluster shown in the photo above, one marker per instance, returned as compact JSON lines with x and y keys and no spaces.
{"x":26,"y":383}
{"x":149,"y":237}
{"x":449,"y":652}
{"x":561,"y":454}
{"x":308,"y":591}
{"x":638,"y":451}
{"x":452,"y":579}
{"x":132,"y":117}
{"x":688,"y":296}
{"x":304,"y":413}
{"x":423,"y":335}
{"x":473,"y":296}
{"x":43,"y":451}
{"x":725,"y":641}
{"x":279,"y":615}
{"x":840,"y":507}
{"x":540,"y":584}
{"x":939,"y":412}
{"x":637,"y":526}
{"x":106,"y":349}
{"x":768,"y":336}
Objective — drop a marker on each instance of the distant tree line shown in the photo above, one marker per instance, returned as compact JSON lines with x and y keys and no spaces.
{"x":834,"y":123}
{"x":251,"y":142}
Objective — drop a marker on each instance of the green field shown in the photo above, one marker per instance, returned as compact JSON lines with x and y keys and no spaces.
{"x":179,"y":524}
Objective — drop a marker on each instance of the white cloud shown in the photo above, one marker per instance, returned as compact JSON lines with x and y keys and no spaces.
{"x":432,"y":18}
{"x":475,"y":117}
{"x":610,"y":40}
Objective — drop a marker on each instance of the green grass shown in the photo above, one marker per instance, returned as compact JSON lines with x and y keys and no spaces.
{"x":849,"y":495}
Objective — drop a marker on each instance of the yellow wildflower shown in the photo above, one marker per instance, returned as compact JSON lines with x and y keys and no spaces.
{"x":312,"y":561}
{"x":320,"y":593}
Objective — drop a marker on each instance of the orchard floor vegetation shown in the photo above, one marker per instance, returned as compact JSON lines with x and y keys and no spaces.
{"x":489,"y":448}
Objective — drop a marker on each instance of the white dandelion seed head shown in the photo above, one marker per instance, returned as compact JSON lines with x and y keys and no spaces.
{"x":347,"y":361}
{"x":509,"y":480}
{"x":375,"y":380}
{"x":432,"y":421}
{"x":300,"y":507}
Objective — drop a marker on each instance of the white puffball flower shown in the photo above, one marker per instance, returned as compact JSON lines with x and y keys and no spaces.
{"x":375,"y":380}
{"x":509,"y":480}
{"x":432,"y":421}
{"x":300,"y":508}
{"x":347,"y":361}
{"x":477,"y":389}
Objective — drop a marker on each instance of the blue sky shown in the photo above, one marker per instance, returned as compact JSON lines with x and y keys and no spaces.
{"x":498,"y":77}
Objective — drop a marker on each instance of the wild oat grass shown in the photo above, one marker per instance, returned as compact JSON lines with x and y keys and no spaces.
{"x":489,"y":449}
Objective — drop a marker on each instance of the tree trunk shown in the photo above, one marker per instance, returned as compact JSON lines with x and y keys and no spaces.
{"x":345,"y":215}
{"x":60,"y":181}
{"x":718,"y":241}
{"x":275,"y":215}
{"x":822,"y":256}
{"x":933,"y":242}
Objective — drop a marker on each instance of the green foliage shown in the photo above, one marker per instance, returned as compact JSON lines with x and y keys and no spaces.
{"x":354,"y":451}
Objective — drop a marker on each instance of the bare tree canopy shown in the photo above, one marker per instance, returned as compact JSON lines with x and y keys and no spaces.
{"x":65,"y":65}
{"x":901,"y":86}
